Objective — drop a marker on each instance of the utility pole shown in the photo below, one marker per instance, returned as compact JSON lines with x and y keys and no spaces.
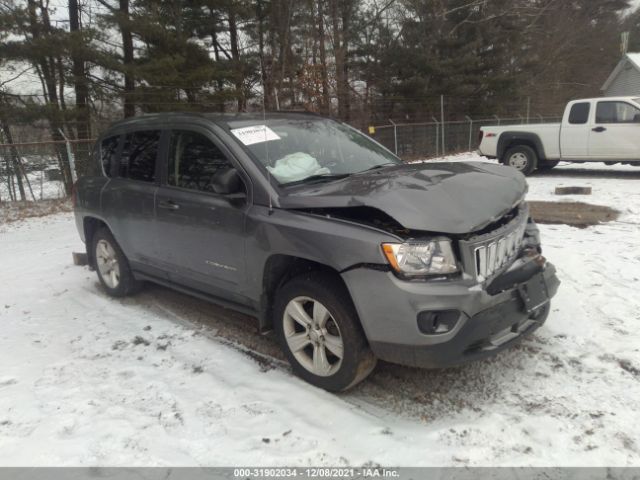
{"x":624,"y":46}
{"x":395,"y":136}
{"x":442,"y":120}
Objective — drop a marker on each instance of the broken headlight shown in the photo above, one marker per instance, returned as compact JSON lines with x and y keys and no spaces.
{"x":414,"y":259}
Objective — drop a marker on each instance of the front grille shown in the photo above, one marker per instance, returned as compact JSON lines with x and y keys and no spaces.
{"x":492,"y":257}
{"x":487,"y":254}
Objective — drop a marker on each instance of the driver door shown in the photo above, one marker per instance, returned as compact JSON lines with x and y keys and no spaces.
{"x":200,"y":234}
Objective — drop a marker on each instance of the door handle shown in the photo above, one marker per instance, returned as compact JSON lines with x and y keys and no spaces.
{"x":599,"y":129}
{"x":169,"y":205}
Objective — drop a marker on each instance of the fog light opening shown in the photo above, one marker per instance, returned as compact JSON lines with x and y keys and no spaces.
{"x":437,"y":322}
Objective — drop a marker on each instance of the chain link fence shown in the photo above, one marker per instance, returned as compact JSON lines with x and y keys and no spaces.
{"x":36,"y":171}
{"x":435,"y":139}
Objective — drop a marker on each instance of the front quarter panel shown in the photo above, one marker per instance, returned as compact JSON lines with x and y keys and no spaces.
{"x":335,"y":243}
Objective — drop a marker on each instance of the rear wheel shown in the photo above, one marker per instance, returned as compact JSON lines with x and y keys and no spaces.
{"x":320,"y":333}
{"x":521,"y":157}
{"x":112,"y":266}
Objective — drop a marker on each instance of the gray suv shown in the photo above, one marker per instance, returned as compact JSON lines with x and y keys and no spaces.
{"x":325,"y":236}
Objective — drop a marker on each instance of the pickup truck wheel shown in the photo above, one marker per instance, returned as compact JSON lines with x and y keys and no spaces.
{"x":112,"y":266}
{"x":320,"y":333}
{"x":522,"y":158}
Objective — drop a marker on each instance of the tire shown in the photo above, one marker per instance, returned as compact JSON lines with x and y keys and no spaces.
{"x":337,"y":322}
{"x":547,"y":165}
{"x":521,"y":157}
{"x":112,"y":266}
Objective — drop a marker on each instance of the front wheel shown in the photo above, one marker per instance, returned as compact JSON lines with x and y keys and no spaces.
{"x":521,"y":157}
{"x":112,"y":266}
{"x":320,"y":333}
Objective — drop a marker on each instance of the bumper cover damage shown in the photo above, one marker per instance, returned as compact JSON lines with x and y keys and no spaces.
{"x":513,"y":306}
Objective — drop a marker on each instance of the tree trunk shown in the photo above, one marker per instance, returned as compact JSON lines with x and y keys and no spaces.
{"x":284,"y":47}
{"x":340,"y":53}
{"x":235,"y":55}
{"x":127,"y":53}
{"x":15,"y":159}
{"x":267,"y":90}
{"x":9,"y":176}
{"x":80,"y":83}
{"x":10,"y":185}
{"x":324,"y":105}
{"x":344,"y":54}
{"x":47,"y":68}
{"x":216,"y":54}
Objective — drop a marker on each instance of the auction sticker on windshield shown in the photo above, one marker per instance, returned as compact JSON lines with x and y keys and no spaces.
{"x":255,"y":134}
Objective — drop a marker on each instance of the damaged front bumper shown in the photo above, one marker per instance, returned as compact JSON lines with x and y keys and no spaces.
{"x":400,"y":318}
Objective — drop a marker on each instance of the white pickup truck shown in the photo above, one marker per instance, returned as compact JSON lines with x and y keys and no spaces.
{"x":593,"y":130}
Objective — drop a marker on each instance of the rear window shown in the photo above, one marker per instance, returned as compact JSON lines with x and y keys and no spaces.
{"x":138,"y":159}
{"x":579,"y":113}
{"x":108,"y":152}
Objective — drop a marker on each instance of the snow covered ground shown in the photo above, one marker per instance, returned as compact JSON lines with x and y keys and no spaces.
{"x":164,"y":379}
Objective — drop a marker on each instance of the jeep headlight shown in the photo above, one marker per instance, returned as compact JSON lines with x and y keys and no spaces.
{"x":414,"y":259}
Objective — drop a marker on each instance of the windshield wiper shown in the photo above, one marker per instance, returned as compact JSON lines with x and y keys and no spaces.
{"x":318,"y":178}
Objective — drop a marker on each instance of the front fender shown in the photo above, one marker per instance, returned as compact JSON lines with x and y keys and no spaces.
{"x":338,"y":244}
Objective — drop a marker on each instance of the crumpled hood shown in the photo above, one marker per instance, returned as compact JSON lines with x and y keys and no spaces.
{"x":453,"y":198}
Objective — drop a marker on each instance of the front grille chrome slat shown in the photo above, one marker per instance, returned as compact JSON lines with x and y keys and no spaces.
{"x":502,"y":252}
{"x":486,"y":255}
{"x":511,"y":244}
{"x":491,"y":257}
{"x":481,"y":262}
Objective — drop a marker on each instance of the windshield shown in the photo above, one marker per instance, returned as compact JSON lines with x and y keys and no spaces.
{"x":295,"y":150}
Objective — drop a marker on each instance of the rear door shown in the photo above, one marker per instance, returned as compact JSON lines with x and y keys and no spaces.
{"x":615,"y":133}
{"x":128,"y":200}
{"x":574,"y":133}
{"x":200,"y":234}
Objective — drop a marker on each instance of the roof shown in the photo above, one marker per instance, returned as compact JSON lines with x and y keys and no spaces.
{"x":222,"y":119}
{"x":633,"y":98}
{"x":635,"y":59}
{"x":629,"y":58}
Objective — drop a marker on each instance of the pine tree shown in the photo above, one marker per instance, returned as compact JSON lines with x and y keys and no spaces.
{"x":36,"y":41}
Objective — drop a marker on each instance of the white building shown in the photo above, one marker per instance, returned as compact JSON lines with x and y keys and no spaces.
{"x":624,"y":81}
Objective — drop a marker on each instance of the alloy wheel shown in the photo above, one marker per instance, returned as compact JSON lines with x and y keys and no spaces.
{"x":313,"y":336}
{"x":107,"y":262}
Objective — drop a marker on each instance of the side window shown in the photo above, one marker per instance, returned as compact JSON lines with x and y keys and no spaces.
{"x":193,"y":161}
{"x":579,"y":114}
{"x":617,"y":112}
{"x":108,"y":151}
{"x":138,"y":159}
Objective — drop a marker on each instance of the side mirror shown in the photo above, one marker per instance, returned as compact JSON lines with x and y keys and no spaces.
{"x":228,"y":183}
